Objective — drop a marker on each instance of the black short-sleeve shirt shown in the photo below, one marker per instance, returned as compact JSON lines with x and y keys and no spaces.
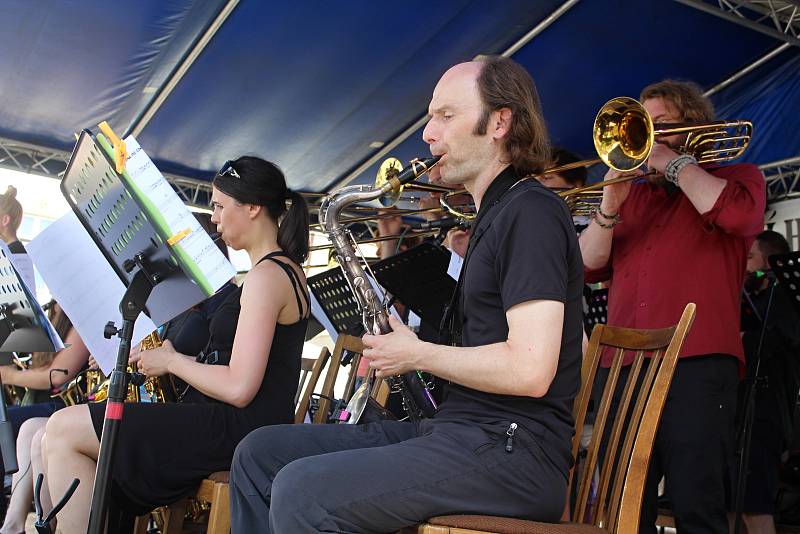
{"x":525,"y":249}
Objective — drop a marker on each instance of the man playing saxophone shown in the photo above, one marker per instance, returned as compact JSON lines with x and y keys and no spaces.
{"x":500,"y":442}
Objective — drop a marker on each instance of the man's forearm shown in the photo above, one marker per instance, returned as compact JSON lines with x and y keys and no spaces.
{"x":595,"y":244}
{"x":490,"y":368}
{"x":701,"y":188}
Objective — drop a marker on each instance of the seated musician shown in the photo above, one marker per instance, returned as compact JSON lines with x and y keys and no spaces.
{"x":48,"y":372}
{"x":246,"y":378}
{"x":500,"y":442}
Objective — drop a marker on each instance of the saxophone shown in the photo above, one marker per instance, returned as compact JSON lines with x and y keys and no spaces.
{"x":417,"y":399}
{"x":153,"y":386}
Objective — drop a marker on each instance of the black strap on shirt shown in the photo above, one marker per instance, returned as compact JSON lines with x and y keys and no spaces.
{"x":451,"y":324}
{"x":294,"y":278}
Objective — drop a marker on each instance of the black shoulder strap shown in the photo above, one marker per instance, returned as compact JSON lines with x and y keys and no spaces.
{"x":293,"y":278}
{"x":450,"y":325}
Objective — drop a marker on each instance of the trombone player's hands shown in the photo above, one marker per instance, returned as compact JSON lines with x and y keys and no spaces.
{"x":394,"y":353}
{"x":660,"y":155}
{"x":615,"y":194}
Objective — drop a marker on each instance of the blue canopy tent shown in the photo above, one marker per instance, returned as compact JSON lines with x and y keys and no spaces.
{"x":328,"y":89}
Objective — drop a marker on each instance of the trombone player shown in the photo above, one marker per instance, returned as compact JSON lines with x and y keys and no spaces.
{"x":682,"y":235}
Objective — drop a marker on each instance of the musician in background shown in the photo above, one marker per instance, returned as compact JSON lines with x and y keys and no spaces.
{"x":499,"y":443}
{"x":49,"y":373}
{"x":777,"y":383}
{"x":565,"y":179}
{"x":682,"y":236}
{"x":10,"y":219}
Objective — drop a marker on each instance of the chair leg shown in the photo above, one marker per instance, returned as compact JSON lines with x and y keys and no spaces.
{"x":219,"y":520}
{"x":140,"y":524}
{"x":174,"y":516}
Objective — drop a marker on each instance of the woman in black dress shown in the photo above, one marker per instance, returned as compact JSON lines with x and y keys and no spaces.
{"x":246,"y":378}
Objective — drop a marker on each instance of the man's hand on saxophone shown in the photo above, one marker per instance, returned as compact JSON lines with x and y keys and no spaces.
{"x":394,"y":353}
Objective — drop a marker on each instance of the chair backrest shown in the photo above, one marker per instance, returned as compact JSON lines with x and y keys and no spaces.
{"x":625,"y":437}
{"x":308,"y":386}
{"x":306,"y":366}
{"x":343,"y":343}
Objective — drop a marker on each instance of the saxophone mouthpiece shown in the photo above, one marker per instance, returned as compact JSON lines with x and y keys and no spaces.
{"x":416,"y":168}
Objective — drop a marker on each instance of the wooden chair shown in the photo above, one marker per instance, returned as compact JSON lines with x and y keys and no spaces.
{"x":301,"y":407}
{"x":306,"y":366}
{"x":619,"y":495}
{"x":343,"y":343}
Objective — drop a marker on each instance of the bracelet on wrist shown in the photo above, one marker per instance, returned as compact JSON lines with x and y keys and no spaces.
{"x":615,"y":220}
{"x":676,"y":165}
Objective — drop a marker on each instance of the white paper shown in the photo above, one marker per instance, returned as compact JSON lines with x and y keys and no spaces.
{"x":85,"y":285}
{"x":197,"y":245}
{"x":454,"y":267}
{"x":23,"y":265}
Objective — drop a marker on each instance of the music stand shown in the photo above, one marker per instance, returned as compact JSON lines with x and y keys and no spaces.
{"x":597,"y":309}
{"x":418,"y":278}
{"x":130,"y":242}
{"x":337,"y":301}
{"x":787,"y":272}
{"x":23,"y":328}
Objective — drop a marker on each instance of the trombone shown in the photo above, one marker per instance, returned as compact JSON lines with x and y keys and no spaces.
{"x":624,"y":135}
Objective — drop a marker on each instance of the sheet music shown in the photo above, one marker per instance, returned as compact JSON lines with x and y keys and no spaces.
{"x":23,"y":265}
{"x":85,"y":285}
{"x":454,"y":267}
{"x":199,"y":256}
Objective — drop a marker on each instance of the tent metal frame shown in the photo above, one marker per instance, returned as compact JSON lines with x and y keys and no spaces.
{"x":50,"y":163}
{"x":779,"y":19}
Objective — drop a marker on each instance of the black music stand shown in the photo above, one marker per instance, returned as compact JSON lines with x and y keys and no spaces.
{"x":597,"y":308}
{"x":337,"y":301}
{"x":418,"y":278}
{"x":141,"y":258}
{"x":787,"y":272}
{"x":23,"y":328}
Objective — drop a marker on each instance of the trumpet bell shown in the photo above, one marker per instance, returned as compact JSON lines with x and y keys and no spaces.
{"x":623,"y":134}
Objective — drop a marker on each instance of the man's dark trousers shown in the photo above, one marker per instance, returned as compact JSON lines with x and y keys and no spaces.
{"x":383,"y":476}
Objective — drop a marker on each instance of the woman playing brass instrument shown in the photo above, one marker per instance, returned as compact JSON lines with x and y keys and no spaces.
{"x":245,"y":378}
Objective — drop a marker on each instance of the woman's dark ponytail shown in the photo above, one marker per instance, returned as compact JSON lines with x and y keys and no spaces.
{"x":293,"y":229}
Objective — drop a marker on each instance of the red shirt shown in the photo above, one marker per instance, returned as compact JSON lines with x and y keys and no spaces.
{"x":665,"y":254}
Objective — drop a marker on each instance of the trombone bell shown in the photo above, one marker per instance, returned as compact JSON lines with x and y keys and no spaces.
{"x":623,"y":134}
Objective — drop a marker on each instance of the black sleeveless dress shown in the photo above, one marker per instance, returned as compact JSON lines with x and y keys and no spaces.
{"x":165,"y":450}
